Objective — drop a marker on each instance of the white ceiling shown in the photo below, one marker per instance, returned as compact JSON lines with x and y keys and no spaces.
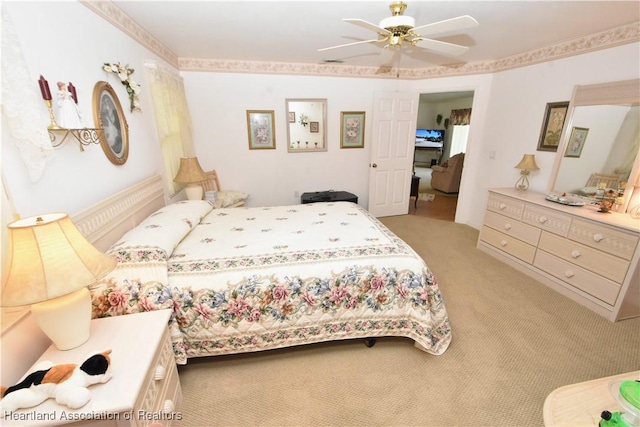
{"x":292,"y":31}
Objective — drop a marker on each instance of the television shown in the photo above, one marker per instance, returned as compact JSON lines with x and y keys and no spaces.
{"x":430,"y":138}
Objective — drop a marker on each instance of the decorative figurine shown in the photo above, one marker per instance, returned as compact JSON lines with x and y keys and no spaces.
{"x":68,"y":113}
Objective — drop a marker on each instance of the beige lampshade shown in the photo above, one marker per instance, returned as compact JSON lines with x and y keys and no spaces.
{"x":528,"y":162}
{"x":190,"y":171}
{"x":48,"y":257}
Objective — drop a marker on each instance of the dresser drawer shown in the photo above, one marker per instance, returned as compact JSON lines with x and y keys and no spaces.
{"x":508,"y":244}
{"x":603,"y":289}
{"x":505,"y":206}
{"x":615,"y":242}
{"x":506,"y":225}
{"x":606,"y":265}
{"x":547,"y":219}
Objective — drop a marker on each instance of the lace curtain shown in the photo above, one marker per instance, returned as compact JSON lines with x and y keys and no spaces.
{"x":173,"y":120}
{"x":26,"y":115}
{"x":460,"y":117}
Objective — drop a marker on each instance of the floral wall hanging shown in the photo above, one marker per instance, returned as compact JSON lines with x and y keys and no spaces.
{"x":124,"y":73}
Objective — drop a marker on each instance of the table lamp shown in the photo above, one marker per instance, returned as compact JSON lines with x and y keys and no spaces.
{"x":191,"y":173}
{"x":49,"y":265}
{"x":527,"y":164}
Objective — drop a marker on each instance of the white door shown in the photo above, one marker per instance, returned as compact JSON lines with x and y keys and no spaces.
{"x":392,"y":147}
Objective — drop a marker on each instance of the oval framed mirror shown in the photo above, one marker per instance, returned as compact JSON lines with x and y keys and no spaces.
{"x":306,"y":125}
{"x":600,"y":142}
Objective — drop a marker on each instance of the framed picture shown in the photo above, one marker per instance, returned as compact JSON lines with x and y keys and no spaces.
{"x":109,"y":118}
{"x":576,"y":142}
{"x":292,"y":117}
{"x":314,"y":127}
{"x":352,"y":129}
{"x":260,"y":126}
{"x":554,"y":117}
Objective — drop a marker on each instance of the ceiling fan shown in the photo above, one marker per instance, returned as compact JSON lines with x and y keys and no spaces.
{"x":399,"y":28}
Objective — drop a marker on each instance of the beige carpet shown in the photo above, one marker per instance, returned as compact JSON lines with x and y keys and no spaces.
{"x":514,"y":341}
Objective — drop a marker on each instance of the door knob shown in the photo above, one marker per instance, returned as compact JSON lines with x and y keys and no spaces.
{"x":374,"y":165}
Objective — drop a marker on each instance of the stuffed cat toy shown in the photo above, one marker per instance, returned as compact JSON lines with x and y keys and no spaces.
{"x":67,"y":384}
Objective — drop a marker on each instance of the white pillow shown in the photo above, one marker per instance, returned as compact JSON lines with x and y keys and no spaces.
{"x":229,"y":198}
{"x":165,"y":228}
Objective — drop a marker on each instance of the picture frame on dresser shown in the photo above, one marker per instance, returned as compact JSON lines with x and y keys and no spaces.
{"x":109,"y":117}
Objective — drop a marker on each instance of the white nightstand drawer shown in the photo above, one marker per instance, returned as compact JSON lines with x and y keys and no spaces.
{"x":606,"y":265}
{"x":508,"y":244}
{"x":505,"y":206}
{"x":547,"y":219}
{"x":506,"y":225}
{"x":606,"y":239}
{"x":603,"y":289}
{"x":161,"y":369}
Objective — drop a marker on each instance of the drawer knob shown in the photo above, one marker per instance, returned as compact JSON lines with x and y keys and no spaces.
{"x":576,"y":253}
{"x":597,"y":237}
{"x":507,"y":226}
{"x":503,"y":243}
{"x":543,"y":219}
{"x":160,"y":373}
{"x":569,"y":273}
{"x":168,"y":406}
{"x":502,"y":206}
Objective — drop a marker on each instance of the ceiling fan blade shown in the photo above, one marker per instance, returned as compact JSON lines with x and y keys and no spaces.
{"x":367,"y":25}
{"x":442,"y":47}
{"x":352,"y":44}
{"x":389,"y":57}
{"x":453,"y":24}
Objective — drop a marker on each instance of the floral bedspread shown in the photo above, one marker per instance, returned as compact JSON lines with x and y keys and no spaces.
{"x":252,"y":279}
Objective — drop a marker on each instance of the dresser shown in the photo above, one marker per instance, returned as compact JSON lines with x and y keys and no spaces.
{"x":145,"y":388}
{"x":588,"y":256}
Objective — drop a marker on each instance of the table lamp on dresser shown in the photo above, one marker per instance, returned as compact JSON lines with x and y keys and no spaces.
{"x":191,"y":173}
{"x":49,"y":266}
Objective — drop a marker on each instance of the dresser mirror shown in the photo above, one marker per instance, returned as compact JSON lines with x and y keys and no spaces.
{"x":599,"y":145}
{"x":306,"y":125}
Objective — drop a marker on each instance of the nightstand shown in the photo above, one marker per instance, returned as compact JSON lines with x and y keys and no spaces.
{"x":144,"y":389}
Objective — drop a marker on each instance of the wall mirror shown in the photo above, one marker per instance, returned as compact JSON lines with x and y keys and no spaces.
{"x":306,"y":125}
{"x":599,"y":145}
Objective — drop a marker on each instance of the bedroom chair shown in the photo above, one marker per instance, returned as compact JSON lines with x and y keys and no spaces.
{"x":224,"y":198}
{"x":447,"y":178}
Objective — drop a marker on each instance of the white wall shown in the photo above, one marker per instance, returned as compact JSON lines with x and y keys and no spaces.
{"x":218,"y":104}
{"x":508,"y":109}
{"x":65,"y":41}
{"x":513,"y":121}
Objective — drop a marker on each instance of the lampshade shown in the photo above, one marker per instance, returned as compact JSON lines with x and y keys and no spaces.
{"x":48,"y":257}
{"x":190,"y":171}
{"x":49,"y":265}
{"x":528,"y":162}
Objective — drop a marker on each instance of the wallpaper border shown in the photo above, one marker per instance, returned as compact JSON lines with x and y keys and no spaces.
{"x":603,"y":40}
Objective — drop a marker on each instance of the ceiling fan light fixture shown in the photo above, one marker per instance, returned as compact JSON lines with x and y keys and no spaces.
{"x":397,"y":21}
{"x":397,"y":28}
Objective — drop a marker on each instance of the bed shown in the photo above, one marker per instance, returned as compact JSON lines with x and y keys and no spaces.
{"x":251,"y":279}
{"x":598,"y":180}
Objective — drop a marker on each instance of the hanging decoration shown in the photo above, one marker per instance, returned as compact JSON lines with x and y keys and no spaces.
{"x":124,"y":73}
{"x":460,"y":117}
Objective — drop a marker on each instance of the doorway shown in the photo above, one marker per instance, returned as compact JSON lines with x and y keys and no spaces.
{"x":434,"y":111}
